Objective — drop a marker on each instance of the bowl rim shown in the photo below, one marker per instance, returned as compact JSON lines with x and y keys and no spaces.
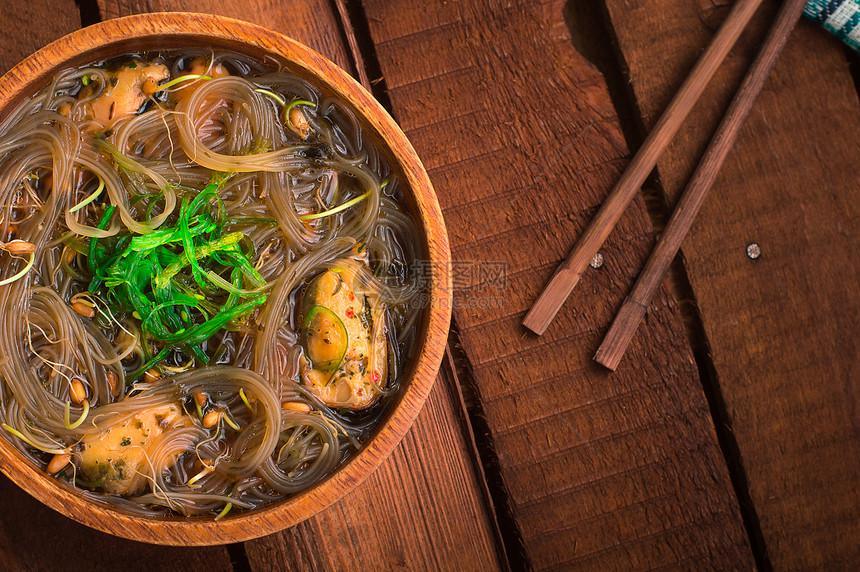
{"x":26,"y":77}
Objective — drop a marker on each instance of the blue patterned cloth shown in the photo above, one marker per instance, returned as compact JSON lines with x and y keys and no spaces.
{"x":840,"y":17}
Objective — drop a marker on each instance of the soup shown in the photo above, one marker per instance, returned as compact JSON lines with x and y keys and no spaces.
{"x":209,"y":280}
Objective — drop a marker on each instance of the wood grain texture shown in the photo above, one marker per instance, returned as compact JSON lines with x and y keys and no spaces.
{"x":567,"y":276}
{"x":521,"y":141}
{"x":421,"y":510}
{"x":624,"y":326}
{"x":781,"y":329}
{"x":312,"y":22}
{"x":27,"y":26}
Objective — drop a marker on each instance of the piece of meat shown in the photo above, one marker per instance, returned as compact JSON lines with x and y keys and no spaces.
{"x":114,"y":459}
{"x":127,"y":92}
{"x":345,"y":341}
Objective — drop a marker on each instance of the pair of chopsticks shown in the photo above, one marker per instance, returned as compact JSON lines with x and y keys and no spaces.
{"x":633,"y":310}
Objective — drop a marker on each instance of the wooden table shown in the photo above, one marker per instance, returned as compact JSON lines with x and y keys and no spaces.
{"x":729,"y":437}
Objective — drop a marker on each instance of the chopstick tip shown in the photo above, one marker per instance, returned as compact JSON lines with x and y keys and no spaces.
{"x":535,"y":326}
{"x":607,"y":359}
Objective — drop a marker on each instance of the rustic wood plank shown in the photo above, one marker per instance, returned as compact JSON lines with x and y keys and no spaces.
{"x":27,"y":26}
{"x":33,"y":537}
{"x":602,"y":471}
{"x":781,"y":330}
{"x":417,"y":508}
{"x":312,"y":22}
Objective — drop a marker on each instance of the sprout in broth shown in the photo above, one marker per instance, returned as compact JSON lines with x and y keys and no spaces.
{"x":205,"y":308}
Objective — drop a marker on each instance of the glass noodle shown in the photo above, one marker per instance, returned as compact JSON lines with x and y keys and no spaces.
{"x":282,"y":207}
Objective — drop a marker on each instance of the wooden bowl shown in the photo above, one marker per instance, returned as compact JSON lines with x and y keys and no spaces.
{"x":184,"y":30}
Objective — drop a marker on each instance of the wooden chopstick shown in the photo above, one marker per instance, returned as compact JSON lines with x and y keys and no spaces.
{"x":633,"y":310}
{"x":568,"y":273}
